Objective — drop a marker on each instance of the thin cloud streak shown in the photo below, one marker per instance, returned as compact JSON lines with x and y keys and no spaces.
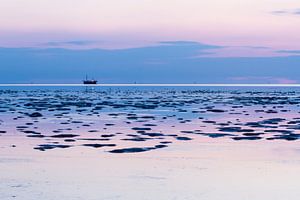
{"x":291,"y":52}
{"x":287,"y":12}
{"x":73,"y":43}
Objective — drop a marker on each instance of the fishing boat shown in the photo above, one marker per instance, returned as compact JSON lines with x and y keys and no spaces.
{"x":89,"y":81}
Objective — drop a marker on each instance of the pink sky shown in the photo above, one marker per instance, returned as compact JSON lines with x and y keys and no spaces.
{"x":127,"y":23}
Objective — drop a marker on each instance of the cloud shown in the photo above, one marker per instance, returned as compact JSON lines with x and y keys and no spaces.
{"x":279,"y":12}
{"x":166,"y":62}
{"x":289,"y":51}
{"x":297,"y":12}
{"x":169,"y":50}
{"x":190,"y":43}
{"x":243,"y":51}
{"x":287,"y":12}
{"x":179,"y":42}
{"x":256,"y":47}
{"x":72,"y":43}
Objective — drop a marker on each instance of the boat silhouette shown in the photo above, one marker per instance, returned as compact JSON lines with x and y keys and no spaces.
{"x":89,"y":81}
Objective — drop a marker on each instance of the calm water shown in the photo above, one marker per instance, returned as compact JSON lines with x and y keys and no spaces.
{"x":139,"y":119}
{"x":169,"y":142}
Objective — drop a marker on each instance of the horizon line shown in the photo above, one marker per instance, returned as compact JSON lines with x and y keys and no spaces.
{"x":149,"y":85}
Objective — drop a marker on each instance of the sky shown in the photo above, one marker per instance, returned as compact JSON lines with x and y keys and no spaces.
{"x":271,"y":23}
{"x":167,"y":62}
{"x":197,"y":29}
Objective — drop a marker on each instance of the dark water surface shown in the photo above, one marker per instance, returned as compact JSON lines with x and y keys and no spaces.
{"x":139,"y":119}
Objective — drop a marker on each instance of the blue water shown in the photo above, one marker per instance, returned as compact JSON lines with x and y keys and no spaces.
{"x":153,"y":88}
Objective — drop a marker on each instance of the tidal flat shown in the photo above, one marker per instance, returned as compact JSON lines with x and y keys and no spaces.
{"x":114,"y":143}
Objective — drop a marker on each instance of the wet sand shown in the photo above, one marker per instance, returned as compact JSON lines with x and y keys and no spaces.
{"x":200,"y":170}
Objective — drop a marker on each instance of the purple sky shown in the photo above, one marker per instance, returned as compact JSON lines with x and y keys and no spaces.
{"x":238,"y":24}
